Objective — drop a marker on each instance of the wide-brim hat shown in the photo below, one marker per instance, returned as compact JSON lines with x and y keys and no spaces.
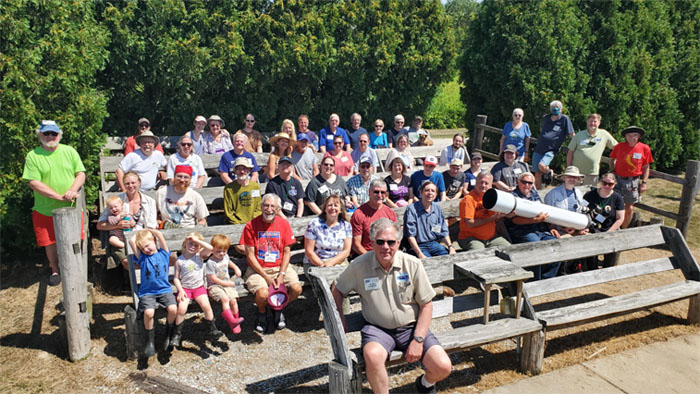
{"x":277,"y":298}
{"x":633,"y":129}
{"x":146,"y":133}
{"x":217,"y":117}
{"x":572,"y":171}
{"x":243,"y":161}
{"x":273,"y":140}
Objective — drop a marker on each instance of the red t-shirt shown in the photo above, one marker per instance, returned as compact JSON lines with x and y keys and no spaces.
{"x":268,"y":239}
{"x":131,"y":146}
{"x":629,"y":161}
{"x":472,"y":207}
{"x":364,"y":216}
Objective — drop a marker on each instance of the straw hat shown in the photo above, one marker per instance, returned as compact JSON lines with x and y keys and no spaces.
{"x":147,"y":133}
{"x":572,"y":171}
{"x":273,"y":140}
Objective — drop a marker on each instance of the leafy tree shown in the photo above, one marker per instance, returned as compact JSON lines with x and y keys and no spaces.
{"x":49,"y":55}
{"x":446,"y":111}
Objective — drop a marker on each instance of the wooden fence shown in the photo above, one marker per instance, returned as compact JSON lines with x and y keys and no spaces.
{"x":690,"y":183}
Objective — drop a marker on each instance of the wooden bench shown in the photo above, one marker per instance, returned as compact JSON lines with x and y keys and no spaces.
{"x":345,"y":370}
{"x":527,"y":255}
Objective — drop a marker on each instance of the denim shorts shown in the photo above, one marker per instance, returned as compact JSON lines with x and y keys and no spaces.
{"x":545,"y":159}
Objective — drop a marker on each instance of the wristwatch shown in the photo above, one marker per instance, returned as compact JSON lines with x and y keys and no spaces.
{"x":419,"y":339}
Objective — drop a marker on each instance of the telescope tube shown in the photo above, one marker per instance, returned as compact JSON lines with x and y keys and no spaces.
{"x":499,"y":201}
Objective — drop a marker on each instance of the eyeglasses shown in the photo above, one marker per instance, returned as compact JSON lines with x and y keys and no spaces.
{"x":364,"y":142}
{"x":337,"y":143}
{"x":185,"y":144}
{"x":398,"y":122}
{"x":329,"y":164}
{"x":214,"y":124}
{"x":51,"y":133}
{"x":517,"y":116}
{"x":527,"y":183}
{"x":608,"y":183}
{"x":378,"y":126}
{"x":250,"y":120}
{"x":379,"y":192}
{"x":390,"y":242}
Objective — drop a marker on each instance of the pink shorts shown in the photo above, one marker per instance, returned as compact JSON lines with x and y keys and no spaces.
{"x":43,"y":229}
{"x":194,"y":293}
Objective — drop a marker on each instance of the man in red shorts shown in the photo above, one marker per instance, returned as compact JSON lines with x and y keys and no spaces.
{"x":55,"y":174}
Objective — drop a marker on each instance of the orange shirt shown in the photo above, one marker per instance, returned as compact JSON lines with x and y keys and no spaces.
{"x":472,"y":207}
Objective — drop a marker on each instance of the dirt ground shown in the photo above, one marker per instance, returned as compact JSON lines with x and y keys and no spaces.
{"x":291,"y":360}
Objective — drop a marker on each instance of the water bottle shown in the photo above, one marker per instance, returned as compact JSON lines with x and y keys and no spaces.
{"x":126,"y":230}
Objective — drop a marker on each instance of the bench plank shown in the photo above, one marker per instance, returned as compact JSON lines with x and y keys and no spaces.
{"x":545,"y":252}
{"x":589,"y":278}
{"x":618,"y":305}
{"x":493,"y":270}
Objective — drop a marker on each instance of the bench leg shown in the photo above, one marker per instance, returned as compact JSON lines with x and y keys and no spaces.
{"x":487,"y":302}
{"x":340,"y":380}
{"x":694,"y":310}
{"x":533,"y":352}
{"x":134,"y":333}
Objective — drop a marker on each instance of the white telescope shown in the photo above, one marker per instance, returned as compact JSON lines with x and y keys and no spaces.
{"x":499,"y":201}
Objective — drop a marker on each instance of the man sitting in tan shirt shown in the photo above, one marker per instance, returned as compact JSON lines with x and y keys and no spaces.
{"x":401,"y":320}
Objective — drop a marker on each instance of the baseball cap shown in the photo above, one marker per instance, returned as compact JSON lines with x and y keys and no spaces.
{"x":430,"y":161}
{"x":285,"y":158}
{"x":456,"y":162}
{"x":303,"y":137}
{"x":477,"y":155}
{"x":365,"y":159}
{"x":48,"y":125}
{"x":182,"y":168}
{"x":277,"y":298}
{"x":144,"y":120}
{"x":510,"y":148}
{"x":200,"y":118}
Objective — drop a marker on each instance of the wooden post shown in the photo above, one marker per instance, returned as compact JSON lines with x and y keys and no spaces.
{"x":73,"y":280}
{"x":133,"y":333}
{"x":478,"y":131}
{"x":690,"y":190}
{"x":533,"y":352}
{"x":694,"y":310}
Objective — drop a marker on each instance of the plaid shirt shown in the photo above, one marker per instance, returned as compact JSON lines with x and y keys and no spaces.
{"x":358,"y":189}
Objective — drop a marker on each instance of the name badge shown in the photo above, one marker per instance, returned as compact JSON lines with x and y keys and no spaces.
{"x":436,"y":228}
{"x":517,"y":171}
{"x":637,"y":155}
{"x":599,"y":218}
{"x":584,"y":203}
{"x":393,"y":186}
{"x":344,"y":159}
{"x":287,"y":206}
{"x":472,"y":181}
{"x":323,"y":189}
{"x":556,"y":128}
{"x":371,"y":284}
{"x":270,"y":257}
{"x":255,"y":193}
{"x":597,"y":139}
{"x":403,"y":279}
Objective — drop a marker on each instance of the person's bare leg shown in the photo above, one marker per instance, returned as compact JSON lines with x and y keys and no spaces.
{"x":437,"y":364}
{"x":375,"y":356}
{"x":294,"y":291}
{"x":538,"y":180}
{"x":52,"y":256}
{"x":629,"y":213}
{"x":261,"y":300}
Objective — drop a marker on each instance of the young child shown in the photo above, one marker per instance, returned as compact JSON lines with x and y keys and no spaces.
{"x":189,"y":280}
{"x":155,"y":290}
{"x":115,"y":206}
{"x":220,"y":287}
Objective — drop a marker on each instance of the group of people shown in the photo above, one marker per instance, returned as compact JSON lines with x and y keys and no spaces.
{"x":372,"y":233}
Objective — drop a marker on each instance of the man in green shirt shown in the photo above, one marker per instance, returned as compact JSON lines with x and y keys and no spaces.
{"x":586,"y":149}
{"x":55,"y":174}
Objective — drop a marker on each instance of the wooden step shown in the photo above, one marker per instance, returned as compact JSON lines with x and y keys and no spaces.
{"x":466,"y":337}
{"x":618,"y":305}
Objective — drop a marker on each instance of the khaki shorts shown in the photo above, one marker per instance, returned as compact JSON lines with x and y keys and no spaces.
{"x":216,"y":292}
{"x":629,"y":188}
{"x":255,"y":282}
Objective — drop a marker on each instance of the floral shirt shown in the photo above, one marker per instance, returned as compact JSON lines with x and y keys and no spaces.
{"x":329,"y":240}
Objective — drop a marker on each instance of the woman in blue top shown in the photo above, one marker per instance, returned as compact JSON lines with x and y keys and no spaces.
{"x":516,"y":133}
{"x":424,"y":225}
{"x":328,"y":238}
{"x":377,"y":139}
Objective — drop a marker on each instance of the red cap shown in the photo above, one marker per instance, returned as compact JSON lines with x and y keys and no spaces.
{"x":184,"y":169}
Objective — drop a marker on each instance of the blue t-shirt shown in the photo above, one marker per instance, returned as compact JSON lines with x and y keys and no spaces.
{"x":470,"y":179}
{"x":354,"y":136}
{"x":228,"y":158}
{"x":418,"y":177}
{"x":154,"y":273}
{"x":424,"y":226}
{"x":326,"y":136}
{"x":516,"y":137}
{"x":378,"y":141}
{"x":553,"y":133}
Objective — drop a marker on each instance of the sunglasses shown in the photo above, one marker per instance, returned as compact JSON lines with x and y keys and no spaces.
{"x":329,"y":164}
{"x":608,"y":183}
{"x":517,"y":116}
{"x":527,"y":182}
{"x":378,"y":126}
{"x":51,"y":133}
{"x":390,"y":242}
{"x":379,"y":192}
{"x":144,"y":125}
{"x":185,"y":144}
{"x":337,"y":143}
{"x":250,"y":120}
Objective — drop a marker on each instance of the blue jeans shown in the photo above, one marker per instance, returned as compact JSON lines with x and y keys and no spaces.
{"x":432,"y":248}
{"x":545,"y":159}
{"x":545,"y":271}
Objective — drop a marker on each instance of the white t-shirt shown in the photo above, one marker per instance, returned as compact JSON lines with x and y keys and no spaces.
{"x":146,"y":166}
{"x":191,"y":271}
{"x":217,"y":268}
{"x":449,"y":153}
{"x":184,"y":209}
{"x":193,"y":161}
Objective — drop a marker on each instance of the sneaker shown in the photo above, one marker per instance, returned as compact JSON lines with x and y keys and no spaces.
{"x":548,"y":177}
{"x":281,"y":322}
{"x":54,"y":280}
{"x":422,"y":389}
{"x":261,"y":324}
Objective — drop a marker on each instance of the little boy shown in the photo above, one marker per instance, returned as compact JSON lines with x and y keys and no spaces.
{"x":155,"y":290}
{"x":220,"y":287}
{"x":116,"y":206}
